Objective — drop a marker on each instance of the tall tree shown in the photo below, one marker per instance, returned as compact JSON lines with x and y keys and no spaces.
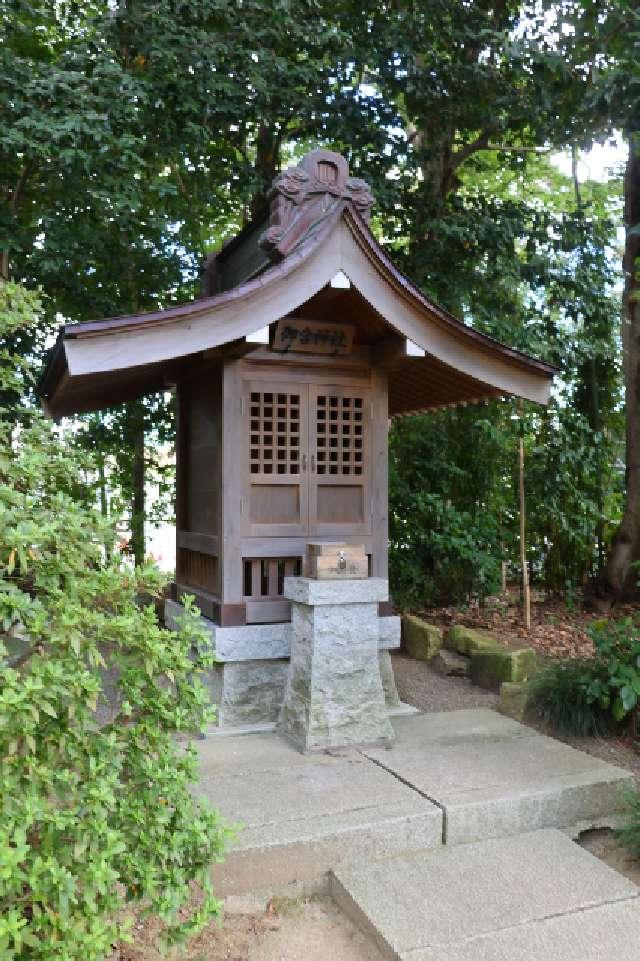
{"x":622,"y":567}
{"x":132,"y":140}
{"x":607,"y":38}
{"x":481,"y":220}
{"x":166,"y":130}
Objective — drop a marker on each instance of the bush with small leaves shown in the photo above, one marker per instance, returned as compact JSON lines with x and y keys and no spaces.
{"x":96,"y":809}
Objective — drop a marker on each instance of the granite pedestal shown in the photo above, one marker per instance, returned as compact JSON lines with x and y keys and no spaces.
{"x":334,"y":695}
{"x":248,"y":681}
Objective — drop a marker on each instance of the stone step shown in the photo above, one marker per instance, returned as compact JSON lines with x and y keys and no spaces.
{"x":302,"y":814}
{"x":609,"y":932}
{"x":494,"y":777}
{"x":534,"y":897}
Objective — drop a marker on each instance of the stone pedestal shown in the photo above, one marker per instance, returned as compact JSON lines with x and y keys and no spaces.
{"x":247,"y":683}
{"x":334,"y":695}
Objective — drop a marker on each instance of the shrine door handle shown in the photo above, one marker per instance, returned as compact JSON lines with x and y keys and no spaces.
{"x":313,"y":463}
{"x":304,"y":463}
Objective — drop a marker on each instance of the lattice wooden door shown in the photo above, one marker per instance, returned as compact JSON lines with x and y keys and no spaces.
{"x":277,"y":419}
{"x":340,"y":461}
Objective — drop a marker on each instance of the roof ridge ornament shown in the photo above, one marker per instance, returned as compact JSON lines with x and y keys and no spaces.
{"x":303,"y":196}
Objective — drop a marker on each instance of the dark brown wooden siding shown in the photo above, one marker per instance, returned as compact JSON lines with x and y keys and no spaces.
{"x":199,"y":484}
{"x":203,"y":465}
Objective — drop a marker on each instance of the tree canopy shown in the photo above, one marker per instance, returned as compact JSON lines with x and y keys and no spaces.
{"x":135,"y":137}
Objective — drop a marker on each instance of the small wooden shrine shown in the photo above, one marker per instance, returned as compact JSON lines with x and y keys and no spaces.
{"x":305,"y":342}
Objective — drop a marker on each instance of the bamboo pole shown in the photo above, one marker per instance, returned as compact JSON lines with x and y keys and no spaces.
{"x":523,"y":551}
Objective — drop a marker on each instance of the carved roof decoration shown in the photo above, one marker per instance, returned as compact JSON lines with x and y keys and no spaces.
{"x":301,"y":197}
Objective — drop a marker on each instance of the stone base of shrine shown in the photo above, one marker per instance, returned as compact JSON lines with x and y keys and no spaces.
{"x":334,"y":695}
{"x":248,"y":683}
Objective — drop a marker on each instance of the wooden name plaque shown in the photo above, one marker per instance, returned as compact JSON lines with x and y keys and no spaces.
{"x":337,"y":561}
{"x":313,"y":337}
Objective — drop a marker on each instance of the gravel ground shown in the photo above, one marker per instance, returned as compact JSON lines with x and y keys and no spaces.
{"x":420,"y":685}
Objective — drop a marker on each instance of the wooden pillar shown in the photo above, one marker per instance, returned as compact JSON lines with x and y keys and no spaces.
{"x":138,"y":502}
{"x":526,"y":595}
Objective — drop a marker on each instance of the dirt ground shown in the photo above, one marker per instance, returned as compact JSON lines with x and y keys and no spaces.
{"x":603,"y":844}
{"x":312,"y":929}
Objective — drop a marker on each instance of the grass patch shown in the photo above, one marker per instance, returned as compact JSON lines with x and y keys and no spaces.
{"x":558,"y":696}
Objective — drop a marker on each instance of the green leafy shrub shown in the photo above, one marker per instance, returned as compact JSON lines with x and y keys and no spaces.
{"x":438,"y":554}
{"x":629,"y":833}
{"x":96,"y":812}
{"x":562,"y":695}
{"x":617,"y":645}
{"x":594,"y":695}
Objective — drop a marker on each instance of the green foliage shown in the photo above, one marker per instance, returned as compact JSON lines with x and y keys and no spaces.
{"x":617,"y":645}
{"x":440,"y":554}
{"x":96,"y":811}
{"x":447,"y":510}
{"x":559,"y":695}
{"x":629,"y":833}
{"x":593,"y":695}
{"x":550,"y":290}
{"x":136,"y":137}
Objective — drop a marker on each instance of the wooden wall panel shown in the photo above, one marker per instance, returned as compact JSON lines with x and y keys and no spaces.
{"x":224,"y":514}
{"x":340,"y":504}
{"x":235,"y":470}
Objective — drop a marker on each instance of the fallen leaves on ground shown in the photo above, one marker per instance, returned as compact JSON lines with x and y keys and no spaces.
{"x":557,"y":629}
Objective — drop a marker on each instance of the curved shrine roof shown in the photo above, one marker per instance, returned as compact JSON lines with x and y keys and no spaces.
{"x":316,"y":225}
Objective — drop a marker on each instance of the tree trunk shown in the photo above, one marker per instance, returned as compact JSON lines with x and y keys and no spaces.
{"x":621,"y":575}
{"x":104,"y":502}
{"x":102,"y":485}
{"x":267,"y":163}
{"x":526,"y":591}
{"x":138,"y":505}
{"x":596,"y":427}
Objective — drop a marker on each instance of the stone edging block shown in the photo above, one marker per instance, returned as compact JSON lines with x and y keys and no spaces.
{"x":490,"y":668}
{"x":420,"y":639}
{"x":465,"y":640}
{"x":513,"y":699}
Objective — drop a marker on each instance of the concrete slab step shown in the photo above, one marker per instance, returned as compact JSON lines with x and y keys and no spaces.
{"x":489,"y":901}
{"x":609,"y":932}
{"x":302,"y":814}
{"x":495,"y":777}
